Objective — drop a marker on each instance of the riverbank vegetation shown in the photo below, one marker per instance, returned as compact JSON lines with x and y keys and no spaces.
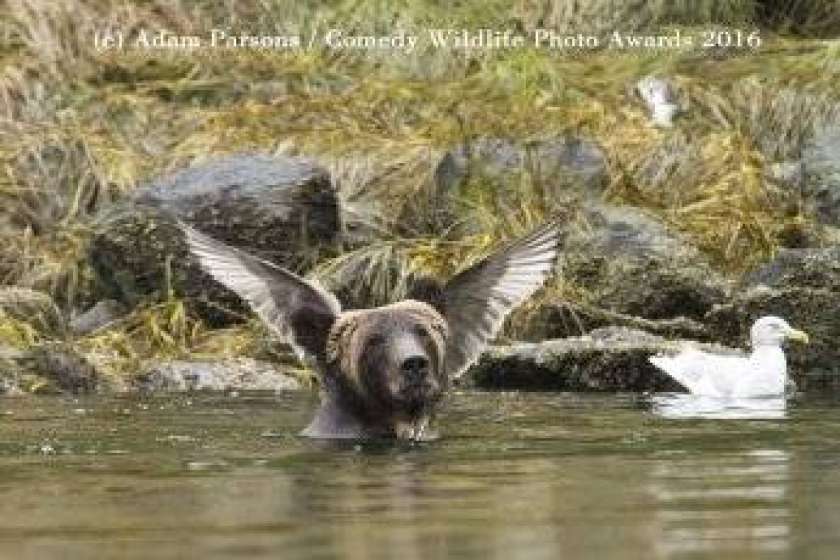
{"x":82,"y":126}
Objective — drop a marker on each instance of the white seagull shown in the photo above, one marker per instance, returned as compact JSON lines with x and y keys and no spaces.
{"x":761,"y":374}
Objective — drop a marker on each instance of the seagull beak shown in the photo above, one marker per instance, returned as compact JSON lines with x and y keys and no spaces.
{"x":797,"y":335}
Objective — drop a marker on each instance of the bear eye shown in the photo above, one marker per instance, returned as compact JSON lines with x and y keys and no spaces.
{"x":421,"y":331}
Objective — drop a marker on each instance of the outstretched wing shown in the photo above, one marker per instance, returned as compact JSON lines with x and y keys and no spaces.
{"x":682,"y":368}
{"x":477,"y":300}
{"x":299,"y":311}
{"x":703,"y":373}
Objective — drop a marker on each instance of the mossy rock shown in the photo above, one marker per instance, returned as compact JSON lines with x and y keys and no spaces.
{"x":801,"y":268}
{"x":610,"y":359}
{"x":284,"y":210}
{"x":494,"y":170}
{"x":633,"y":264}
{"x":629,"y":264}
{"x":241,"y":374}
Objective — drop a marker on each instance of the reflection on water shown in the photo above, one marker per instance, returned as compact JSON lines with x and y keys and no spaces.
{"x":515,"y":476}
{"x":683,"y":405}
{"x":747,"y":511}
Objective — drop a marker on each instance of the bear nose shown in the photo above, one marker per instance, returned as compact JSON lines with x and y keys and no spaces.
{"x":416,"y":365}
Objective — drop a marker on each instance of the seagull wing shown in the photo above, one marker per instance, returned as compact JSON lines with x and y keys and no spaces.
{"x":703,"y":373}
{"x":477,"y":300}
{"x":299,"y":311}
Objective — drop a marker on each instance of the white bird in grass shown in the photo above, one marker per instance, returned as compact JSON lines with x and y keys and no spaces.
{"x":762,"y":373}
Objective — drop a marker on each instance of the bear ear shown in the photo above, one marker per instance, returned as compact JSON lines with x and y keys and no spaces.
{"x":339,"y":336}
{"x":428,"y":290}
{"x":477,"y":300}
{"x":299,"y":311}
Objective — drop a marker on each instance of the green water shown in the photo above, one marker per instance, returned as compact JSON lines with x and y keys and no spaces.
{"x":514,"y":476}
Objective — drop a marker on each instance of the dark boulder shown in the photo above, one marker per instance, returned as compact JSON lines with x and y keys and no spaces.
{"x":803,"y":287}
{"x":821,"y":158}
{"x":800,"y":268}
{"x":629,"y":269}
{"x":50,"y":367}
{"x":562,"y":159}
{"x":559,"y":319}
{"x":282,"y":209}
{"x":554,"y":168}
{"x":633,"y":264}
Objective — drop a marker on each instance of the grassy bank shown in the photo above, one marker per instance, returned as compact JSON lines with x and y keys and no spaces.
{"x":81,"y":127}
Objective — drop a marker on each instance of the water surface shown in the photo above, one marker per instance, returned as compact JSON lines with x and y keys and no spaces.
{"x":516,"y":475}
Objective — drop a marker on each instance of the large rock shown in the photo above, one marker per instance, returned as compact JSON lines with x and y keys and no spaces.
{"x":100,"y":315}
{"x":553,"y":162}
{"x":67,"y":370}
{"x":282,"y":209}
{"x":555,"y":167}
{"x":633,"y":264}
{"x":821,"y":158}
{"x":610,"y":359}
{"x":242,"y":374}
{"x":800,"y":268}
{"x":626,"y":263}
{"x":559,"y":319}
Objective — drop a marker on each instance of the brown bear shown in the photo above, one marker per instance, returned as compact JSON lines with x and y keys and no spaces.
{"x":384,"y":370}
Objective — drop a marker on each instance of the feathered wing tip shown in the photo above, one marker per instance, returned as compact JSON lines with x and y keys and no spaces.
{"x":297,"y":310}
{"x":662,"y":362}
{"x":477,"y":300}
{"x":675,"y":369}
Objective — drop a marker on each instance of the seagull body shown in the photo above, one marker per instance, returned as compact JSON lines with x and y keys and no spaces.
{"x":761,"y":373}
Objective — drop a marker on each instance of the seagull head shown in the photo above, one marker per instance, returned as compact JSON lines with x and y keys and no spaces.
{"x":772,"y":331}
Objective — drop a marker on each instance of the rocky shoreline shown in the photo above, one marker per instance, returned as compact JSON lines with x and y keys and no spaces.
{"x":641,"y":287}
